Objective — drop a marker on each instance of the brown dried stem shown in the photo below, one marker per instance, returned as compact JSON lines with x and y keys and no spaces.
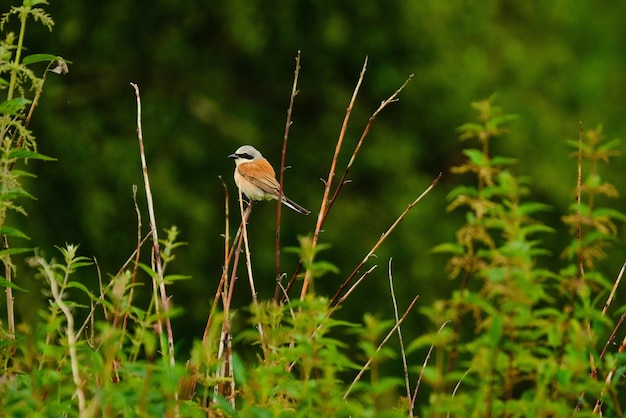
{"x":331,"y":174}
{"x":383,"y":104}
{"x":156,"y":250}
{"x":381,"y":345}
{"x":255,"y":302}
{"x":335,"y":300}
{"x":294,"y":92}
{"x":405,"y":365}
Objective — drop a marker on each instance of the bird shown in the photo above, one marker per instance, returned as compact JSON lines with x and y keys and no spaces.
{"x":256,"y":178}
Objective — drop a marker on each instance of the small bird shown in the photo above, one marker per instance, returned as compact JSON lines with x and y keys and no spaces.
{"x":256,"y":178}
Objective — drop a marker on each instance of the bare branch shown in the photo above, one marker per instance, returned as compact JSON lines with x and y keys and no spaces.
{"x":381,"y":240}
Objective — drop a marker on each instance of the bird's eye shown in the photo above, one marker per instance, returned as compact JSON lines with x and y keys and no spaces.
{"x":246,"y":156}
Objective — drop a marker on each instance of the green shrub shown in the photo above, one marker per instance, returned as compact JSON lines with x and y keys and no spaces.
{"x":515,"y":339}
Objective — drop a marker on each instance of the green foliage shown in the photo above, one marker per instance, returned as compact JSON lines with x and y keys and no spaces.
{"x":526,"y":339}
{"x":515,"y":337}
{"x":216,"y":75}
{"x":106,"y":352}
{"x":17,"y":143}
{"x":16,"y":77}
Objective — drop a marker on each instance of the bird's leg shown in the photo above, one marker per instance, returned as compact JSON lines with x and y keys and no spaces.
{"x":248,"y":211}
{"x":249,"y":203}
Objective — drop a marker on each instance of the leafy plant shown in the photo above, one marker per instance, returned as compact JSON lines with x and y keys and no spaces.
{"x":522,"y":338}
{"x":17,"y":143}
{"x":514,"y":339}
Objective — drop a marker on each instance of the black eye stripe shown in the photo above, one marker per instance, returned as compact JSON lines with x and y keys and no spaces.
{"x":246,"y":156}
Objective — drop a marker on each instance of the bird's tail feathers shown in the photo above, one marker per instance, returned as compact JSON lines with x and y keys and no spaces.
{"x":293,"y":205}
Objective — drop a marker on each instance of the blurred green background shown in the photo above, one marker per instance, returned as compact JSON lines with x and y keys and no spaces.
{"x":216,"y":75}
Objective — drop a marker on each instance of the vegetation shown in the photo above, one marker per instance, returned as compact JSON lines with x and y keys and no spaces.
{"x":530,"y":327}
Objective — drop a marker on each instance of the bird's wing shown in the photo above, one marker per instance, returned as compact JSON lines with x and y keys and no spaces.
{"x":261,"y":174}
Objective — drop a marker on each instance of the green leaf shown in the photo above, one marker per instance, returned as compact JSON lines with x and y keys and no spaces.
{"x":500,"y":120}
{"x":31,"y":3}
{"x":12,"y":251}
{"x":463,"y":191}
{"x":475,"y":156}
{"x":176,"y":277}
{"x":13,"y":106}
{"x":12,"y":232}
{"x":25,"y":154}
{"x":5,"y":283}
{"x":532,"y":228}
{"x":323,"y":267}
{"x":74,"y":305}
{"x":470,"y":127}
{"x":79,"y":285}
{"x":607,"y":146}
{"x":14,"y":194}
{"x":31,"y":59}
{"x":76,"y":265}
{"x":22,"y":173}
{"x":448,"y":248}
{"x":148,"y":270}
{"x":528,"y":208}
{"x":609,"y":213}
{"x":572,"y":143}
{"x":498,"y":160}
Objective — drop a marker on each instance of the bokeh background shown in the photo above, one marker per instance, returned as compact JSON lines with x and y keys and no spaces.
{"x":216,"y":75}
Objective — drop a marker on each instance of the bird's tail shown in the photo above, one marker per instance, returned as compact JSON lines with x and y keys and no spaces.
{"x":293,"y":205}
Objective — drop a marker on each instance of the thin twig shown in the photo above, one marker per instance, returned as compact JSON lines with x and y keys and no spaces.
{"x":381,"y":240}
{"x":324,"y":213}
{"x":90,"y":317}
{"x":294,"y":92}
{"x":580,"y":249}
{"x":380,"y":346}
{"x":607,"y":381}
{"x":156,"y":251}
{"x":234,"y":252}
{"x":614,"y":289}
{"x":194,"y":367}
{"x":344,"y":177}
{"x":255,"y":302}
{"x":419,"y":379}
{"x":594,"y":371}
{"x":226,"y":372}
{"x":227,"y":256}
{"x":136,"y":261}
{"x":8,"y":274}
{"x":579,"y":186}
{"x":331,"y":174}
{"x":351,"y":289}
{"x":292,"y":281}
{"x":405,"y":365}
{"x":458,"y":385}
{"x":335,"y":308}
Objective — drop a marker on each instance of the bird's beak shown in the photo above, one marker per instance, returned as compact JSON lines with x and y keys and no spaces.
{"x":234,"y":156}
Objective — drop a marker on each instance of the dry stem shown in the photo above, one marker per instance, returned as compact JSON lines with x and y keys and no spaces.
{"x":294,"y":92}
{"x":344,"y":177}
{"x":326,"y":202}
{"x":335,"y":299}
{"x":331,"y":174}
{"x":156,"y":251}
{"x":419,"y":379}
{"x":380,"y":346}
{"x":255,"y":302}
{"x":405,"y":365}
